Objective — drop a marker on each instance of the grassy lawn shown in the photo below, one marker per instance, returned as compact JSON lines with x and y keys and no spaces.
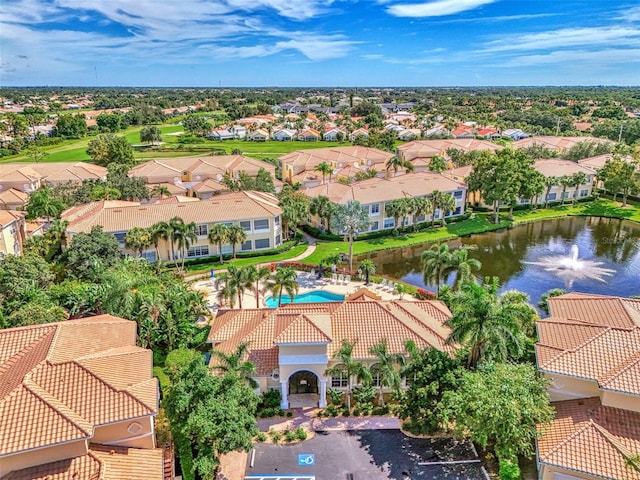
{"x":243,"y":262}
{"x":597,"y":208}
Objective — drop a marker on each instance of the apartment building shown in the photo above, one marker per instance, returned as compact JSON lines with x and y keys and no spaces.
{"x":13,"y":232}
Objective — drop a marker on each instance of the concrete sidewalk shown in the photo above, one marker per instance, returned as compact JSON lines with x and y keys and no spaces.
{"x":307,"y":418}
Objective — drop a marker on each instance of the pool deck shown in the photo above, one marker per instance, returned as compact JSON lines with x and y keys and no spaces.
{"x":307,"y":284}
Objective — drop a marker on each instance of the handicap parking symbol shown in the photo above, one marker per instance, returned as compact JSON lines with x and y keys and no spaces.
{"x":306,"y":459}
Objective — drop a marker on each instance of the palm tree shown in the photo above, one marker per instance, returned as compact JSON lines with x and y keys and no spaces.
{"x":435,"y":262}
{"x":385,"y":368}
{"x":421,"y":206}
{"x":236,"y":363}
{"x":435,"y":198}
{"x":392,"y":210}
{"x":219,"y":235}
{"x":161,"y":191}
{"x":255,"y":275}
{"x":397,"y":163}
{"x":158,"y":231}
{"x":323,"y":208}
{"x":447,"y":204}
{"x":237,"y":236}
{"x":236,"y":281}
{"x":138,"y":239}
{"x":565,"y":181}
{"x":463,"y":265}
{"x":175,"y":224}
{"x":349,"y":220}
{"x":491,"y":326}
{"x":56,"y":235}
{"x":577,"y":179}
{"x":295,"y":209}
{"x":368,"y":267}
{"x":549,"y":182}
{"x":184,"y":235}
{"x":43,"y":204}
{"x":348,"y":366}
{"x":325,"y":169}
{"x":283,"y":280}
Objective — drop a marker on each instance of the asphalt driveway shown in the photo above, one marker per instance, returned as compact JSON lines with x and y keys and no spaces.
{"x":367,"y":455}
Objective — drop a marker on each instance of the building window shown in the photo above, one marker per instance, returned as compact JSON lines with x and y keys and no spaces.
{"x":246,"y":246}
{"x":551,"y":197}
{"x":276,"y":220}
{"x":202,"y":230}
{"x":246,"y":225}
{"x":261,"y":225}
{"x":262,"y":243}
{"x":149,"y":256}
{"x":339,"y":378}
{"x":375,"y":209}
{"x":375,"y":225}
{"x":376,"y":377}
{"x":198,"y":251}
{"x":388,"y":223}
{"x":457,"y":194}
{"x":566,"y":194}
{"x":584,"y":193}
{"x":12,"y":229}
{"x":278,"y":240}
{"x":120,"y":237}
{"x":457,"y":211}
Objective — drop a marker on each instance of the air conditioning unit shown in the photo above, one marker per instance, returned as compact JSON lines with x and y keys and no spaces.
{"x":275,"y":374}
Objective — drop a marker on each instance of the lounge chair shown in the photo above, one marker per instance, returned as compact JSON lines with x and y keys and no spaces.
{"x":312,"y":274}
{"x":340,"y":279}
{"x":347,"y":279}
{"x":334,"y":277}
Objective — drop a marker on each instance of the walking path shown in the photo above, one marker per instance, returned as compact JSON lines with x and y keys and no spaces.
{"x":307,"y":418}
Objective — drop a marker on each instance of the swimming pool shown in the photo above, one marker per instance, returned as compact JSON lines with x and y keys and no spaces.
{"x":315,"y":296}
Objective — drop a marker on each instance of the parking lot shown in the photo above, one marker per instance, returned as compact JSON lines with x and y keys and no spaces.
{"x":366,"y":455}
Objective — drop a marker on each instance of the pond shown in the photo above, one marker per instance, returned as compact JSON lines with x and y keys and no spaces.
{"x":540,"y":256}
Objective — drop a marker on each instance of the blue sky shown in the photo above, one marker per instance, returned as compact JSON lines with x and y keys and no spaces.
{"x":327,"y":43}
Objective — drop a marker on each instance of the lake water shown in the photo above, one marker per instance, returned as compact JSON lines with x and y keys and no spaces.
{"x":602,"y":243}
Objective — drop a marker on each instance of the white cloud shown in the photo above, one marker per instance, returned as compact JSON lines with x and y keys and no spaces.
{"x":630,"y":15}
{"x":573,"y":58}
{"x":564,"y":38}
{"x":439,"y":8}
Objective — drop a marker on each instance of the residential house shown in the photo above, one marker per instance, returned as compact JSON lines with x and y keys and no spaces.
{"x":293,"y":346}
{"x":463,"y":131}
{"x":359,"y":133}
{"x":257,"y":213}
{"x":189,"y":171}
{"x":409,"y":134}
{"x":308,"y":135}
{"x":259,"y":135}
{"x":13,"y":199}
{"x":589,"y":350}
{"x":558,"y":144}
{"x":29,"y":177}
{"x":19,"y":177}
{"x":374,"y":193}
{"x":13,"y":232}
{"x":77,"y":400}
{"x":239,"y":131}
{"x":514,"y":134}
{"x":489,"y":133}
{"x":284,"y":135}
{"x":420,"y":152}
{"x":221,"y":134}
{"x":299,"y":166}
{"x":335,"y":135}
{"x":599,"y":161}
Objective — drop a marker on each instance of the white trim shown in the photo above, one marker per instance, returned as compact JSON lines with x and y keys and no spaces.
{"x":318,"y":359}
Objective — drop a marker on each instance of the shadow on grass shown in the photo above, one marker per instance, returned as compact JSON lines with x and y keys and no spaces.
{"x":607,"y":210}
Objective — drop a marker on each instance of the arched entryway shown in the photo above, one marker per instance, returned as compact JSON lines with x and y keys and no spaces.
{"x":303,"y":382}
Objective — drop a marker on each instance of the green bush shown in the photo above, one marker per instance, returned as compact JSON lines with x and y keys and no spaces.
{"x":335,"y":396}
{"x":275,"y":435}
{"x":301,"y":434}
{"x":261,"y":437}
{"x":290,"y":435}
{"x":270,"y":399}
{"x":509,"y":470}
{"x":289,"y":414}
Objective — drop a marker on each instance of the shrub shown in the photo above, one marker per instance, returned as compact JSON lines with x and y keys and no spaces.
{"x":290,"y":435}
{"x":275,"y":435}
{"x":301,"y":434}
{"x":270,"y":399}
{"x":261,"y":437}
{"x":422,"y":294}
{"x":509,"y":470}
{"x":346,"y":412}
{"x":289,"y":413}
{"x":335,"y":396}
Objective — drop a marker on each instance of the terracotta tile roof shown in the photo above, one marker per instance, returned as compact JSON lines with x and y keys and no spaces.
{"x":101,"y":463}
{"x":231,"y":206}
{"x":302,"y":160}
{"x":9,"y":216}
{"x":598,"y":161}
{"x":556,"y":167}
{"x":18,"y":172}
{"x":58,"y":381}
{"x":13,"y":197}
{"x":363,"y":295}
{"x":69,"y":171}
{"x":376,"y":190}
{"x":556,"y":143}
{"x":430,"y":148}
{"x":366,"y":322}
{"x":590,"y":438}
{"x":596,"y":309}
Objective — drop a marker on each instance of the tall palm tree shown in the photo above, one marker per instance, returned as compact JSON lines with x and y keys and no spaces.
{"x":237,"y":281}
{"x":236,"y":362}
{"x":577,"y":179}
{"x":368,"y":267}
{"x":549,"y":182}
{"x":463,"y":265}
{"x":421,"y":206}
{"x":159,"y":231}
{"x":491,"y":326}
{"x":325,"y":169}
{"x":138,"y":239}
{"x":56,"y":236}
{"x":323,"y":208}
{"x":237,"y":236}
{"x":174,"y":224}
{"x":184,"y":235}
{"x":161,"y":191}
{"x":435,"y":261}
{"x":397,"y":163}
{"x":295,"y":209}
{"x":283,"y":280}
{"x":219,"y":234}
{"x":435,"y":198}
{"x":565,"y":181}
{"x":349,"y":220}
{"x":255,"y":275}
{"x":447,"y":204}
{"x":392,"y":210}
{"x":348,"y":366}
{"x":386,"y":368}
{"x":43,"y":204}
